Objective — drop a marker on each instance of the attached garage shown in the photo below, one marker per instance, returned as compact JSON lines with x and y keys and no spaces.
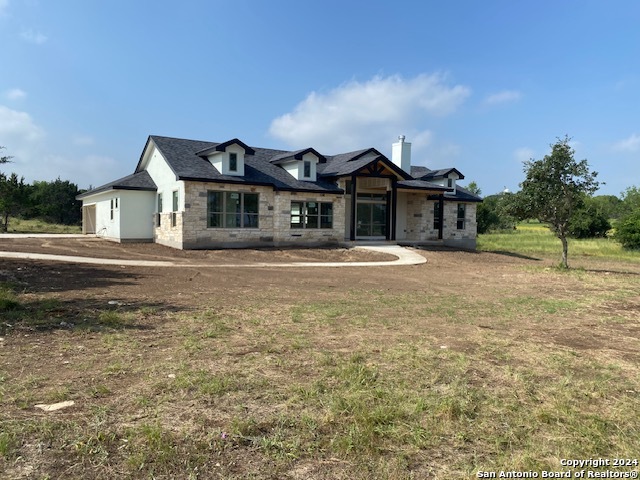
{"x":122,"y":211}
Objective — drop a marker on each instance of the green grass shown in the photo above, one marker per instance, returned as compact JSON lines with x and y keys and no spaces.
{"x":536,"y":239}
{"x":18,"y":225}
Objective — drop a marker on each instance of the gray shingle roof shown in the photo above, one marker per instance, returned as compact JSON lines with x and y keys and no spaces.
{"x":420,"y":185}
{"x":137,"y":181}
{"x":181,"y":155}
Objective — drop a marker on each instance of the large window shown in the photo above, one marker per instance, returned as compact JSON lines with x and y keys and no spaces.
{"x":232,"y":210}
{"x":311,"y":215}
{"x":462,"y":210}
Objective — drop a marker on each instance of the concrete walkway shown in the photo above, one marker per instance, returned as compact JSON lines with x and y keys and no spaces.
{"x":405,"y":257}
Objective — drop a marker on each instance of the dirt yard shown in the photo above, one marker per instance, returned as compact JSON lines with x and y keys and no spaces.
{"x":245,"y":373}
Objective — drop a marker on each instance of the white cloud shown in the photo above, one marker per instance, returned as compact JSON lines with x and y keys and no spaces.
{"x":523,"y":154}
{"x":34,"y":37}
{"x":505,"y":96}
{"x":371,"y":113}
{"x":18,"y":126}
{"x":15,"y":94}
{"x":631,"y":144}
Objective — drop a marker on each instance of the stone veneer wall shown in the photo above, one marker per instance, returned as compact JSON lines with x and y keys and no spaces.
{"x":274,"y":220}
{"x":420,"y":215}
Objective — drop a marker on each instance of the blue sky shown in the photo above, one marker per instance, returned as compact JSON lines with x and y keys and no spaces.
{"x":480,"y":86}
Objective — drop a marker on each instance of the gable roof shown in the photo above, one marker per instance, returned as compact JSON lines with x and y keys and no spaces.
{"x":221,"y":147}
{"x":184,"y":157}
{"x":297,"y":155}
{"x":348,"y":163}
{"x":424,"y":173}
{"x":137,"y":181}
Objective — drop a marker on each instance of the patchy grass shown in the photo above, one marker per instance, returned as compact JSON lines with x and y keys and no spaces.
{"x":536,"y":239}
{"x":502,"y":366}
{"x":19,"y":225}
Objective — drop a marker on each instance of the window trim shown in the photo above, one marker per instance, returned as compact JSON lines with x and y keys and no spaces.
{"x":175,"y":202}
{"x":461,"y":220}
{"x":304,"y":224}
{"x":436,"y":215}
{"x":306,"y":164}
{"x":223,"y":212}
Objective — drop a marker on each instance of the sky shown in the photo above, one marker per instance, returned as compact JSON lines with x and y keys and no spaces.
{"x":477,"y":85}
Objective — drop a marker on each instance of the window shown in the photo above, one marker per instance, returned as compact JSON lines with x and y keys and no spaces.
{"x":436,"y":216}
{"x":111,"y":209}
{"x":174,"y":215}
{"x":449,"y":182}
{"x":311,"y":215}
{"x":233,"y":162}
{"x":307,"y":169}
{"x":158,"y":216}
{"x":461,"y":216}
{"x":232,"y":210}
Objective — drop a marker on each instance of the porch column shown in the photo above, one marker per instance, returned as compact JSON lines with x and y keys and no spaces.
{"x":441,"y":207}
{"x":394,"y":207}
{"x":354,"y":198}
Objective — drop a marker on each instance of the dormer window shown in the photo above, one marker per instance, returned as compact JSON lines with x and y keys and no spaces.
{"x":233,"y":162}
{"x":307,"y":169}
{"x":228,"y":158}
{"x":449,"y":183}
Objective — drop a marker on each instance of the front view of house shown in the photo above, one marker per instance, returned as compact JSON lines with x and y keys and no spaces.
{"x":192,"y":194}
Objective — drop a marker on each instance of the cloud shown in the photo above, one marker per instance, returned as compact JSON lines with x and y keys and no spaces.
{"x":358,"y":114}
{"x":34,"y":37}
{"x":505,"y":96}
{"x":523,"y":154}
{"x":15,"y":94}
{"x":630,"y":145}
{"x":19,"y":126}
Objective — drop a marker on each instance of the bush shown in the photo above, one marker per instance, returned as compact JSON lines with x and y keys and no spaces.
{"x":491,"y":214}
{"x":589,"y":221}
{"x":628,"y":230}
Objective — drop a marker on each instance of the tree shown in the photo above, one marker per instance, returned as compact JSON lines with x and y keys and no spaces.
{"x":474,"y":188}
{"x":4,"y":159}
{"x":591,"y":220}
{"x":13,"y":197}
{"x":56,"y":202}
{"x":554,"y":188}
{"x":628,"y":226}
{"x":492,"y":214}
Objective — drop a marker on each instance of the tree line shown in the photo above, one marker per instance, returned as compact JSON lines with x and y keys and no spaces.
{"x":53,"y":202}
{"x":559,"y":191}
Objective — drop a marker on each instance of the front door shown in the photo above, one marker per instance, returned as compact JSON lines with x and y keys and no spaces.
{"x":371,"y":215}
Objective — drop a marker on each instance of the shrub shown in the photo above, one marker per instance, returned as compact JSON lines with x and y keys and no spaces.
{"x":589,"y":221}
{"x":628,"y":230}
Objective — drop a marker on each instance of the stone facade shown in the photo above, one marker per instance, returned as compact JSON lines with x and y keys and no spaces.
{"x":274,"y":220}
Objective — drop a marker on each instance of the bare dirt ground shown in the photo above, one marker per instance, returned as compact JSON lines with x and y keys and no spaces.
{"x":461,"y":301}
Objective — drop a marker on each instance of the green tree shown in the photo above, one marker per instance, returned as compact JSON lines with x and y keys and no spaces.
{"x":13,"y":198}
{"x":492,"y":214}
{"x":56,"y":202}
{"x":554,"y":188}
{"x":628,"y":226}
{"x":591,"y":220}
{"x":4,"y":159}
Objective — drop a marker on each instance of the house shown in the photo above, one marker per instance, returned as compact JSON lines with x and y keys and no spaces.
{"x":192,"y":194}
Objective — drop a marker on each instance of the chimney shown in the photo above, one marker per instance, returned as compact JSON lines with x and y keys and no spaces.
{"x":401,"y":154}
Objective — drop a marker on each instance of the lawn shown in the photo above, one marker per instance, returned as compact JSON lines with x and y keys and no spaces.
{"x":472,"y":362}
{"x":18,"y":225}
{"x":533,"y":238}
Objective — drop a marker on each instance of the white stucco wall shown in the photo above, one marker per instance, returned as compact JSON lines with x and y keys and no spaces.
{"x":164,"y":179}
{"x":220,"y":160}
{"x":105,"y":226}
{"x":136,"y":214}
